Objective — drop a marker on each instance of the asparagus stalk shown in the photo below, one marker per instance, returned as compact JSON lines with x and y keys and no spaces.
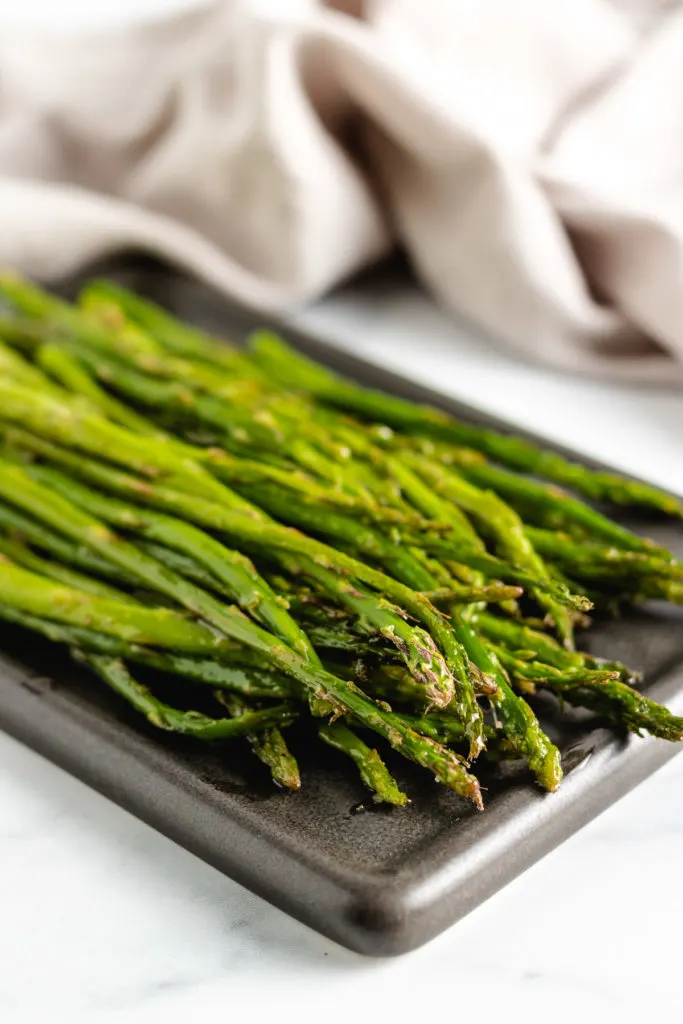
{"x":71,"y":424}
{"x":452,"y":549}
{"x":247,"y":675}
{"x":508,"y":528}
{"x":377,"y":616}
{"x":190,"y":723}
{"x":623,"y":705}
{"x":403,"y":517}
{"x":50,"y":318}
{"x":169,"y":332}
{"x":19,"y":554}
{"x":235,"y":471}
{"x":516,"y":636}
{"x":21,"y":332}
{"x":529,"y":671}
{"x":371,"y":767}
{"x":268,"y":745}
{"x":487,"y":593}
{"x":27,"y":530}
{"x":361,"y":539}
{"x":72,"y":428}
{"x":549,"y":498}
{"x":336,"y":639}
{"x":298,"y":373}
{"x":593,"y":561}
{"x":601,"y":691}
{"x":242,"y":472}
{"x":372,"y":543}
{"x":58,"y":362}
{"x":446,"y":729}
{"x":242,"y":424}
{"x":253,"y":594}
{"x":186,"y":566}
{"x":518,"y":720}
{"x":14,"y":367}
{"x":230,"y":417}
{"x":156,"y":627}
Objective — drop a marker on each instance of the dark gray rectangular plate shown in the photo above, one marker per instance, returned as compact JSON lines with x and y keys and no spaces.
{"x":380,"y":882}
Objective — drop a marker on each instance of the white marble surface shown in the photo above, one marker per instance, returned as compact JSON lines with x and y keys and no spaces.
{"x":105,"y":921}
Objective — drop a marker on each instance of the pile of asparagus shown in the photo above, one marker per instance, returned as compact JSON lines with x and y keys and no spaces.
{"x":292,"y":546}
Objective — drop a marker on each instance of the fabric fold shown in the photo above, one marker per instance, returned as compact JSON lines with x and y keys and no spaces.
{"x":526,"y":156}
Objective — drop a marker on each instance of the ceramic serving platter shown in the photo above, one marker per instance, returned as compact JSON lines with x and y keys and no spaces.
{"x":378,"y":881}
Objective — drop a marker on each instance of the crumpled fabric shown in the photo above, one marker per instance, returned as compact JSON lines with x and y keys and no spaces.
{"x":527,"y":156}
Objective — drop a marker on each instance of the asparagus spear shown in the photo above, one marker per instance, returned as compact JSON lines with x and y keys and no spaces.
{"x":229,"y":416}
{"x":518,"y":720}
{"x":269,"y":745}
{"x":62,"y":362}
{"x":596,"y":561}
{"x":446,"y":729}
{"x":601,"y":691}
{"x":301,"y":374}
{"x":373,"y":771}
{"x":71,"y":424}
{"x":514,"y":537}
{"x":137,"y":624}
{"x":528,"y":672}
{"x":58,"y":362}
{"x":186,"y":566}
{"x":15,"y":368}
{"x":450,"y":548}
{"x":487,"y":593}
{"x":421,"y":654}
{"x":242,"y":424}
{"x":357,"y":475}
{"x":263,"y":433}
{"x":516,"y":636}
{"x":171,"y":333}
{"x":298,"y":373}
{"x":377,"y":616}
{"x":623,"y":705}
{"x":545,"y":497}
{"x":364,"y":540}
{"x":59,"y":319}
{"x":152,"y":457}
{"x":240,"y":671}
{"x":240,"y":472}
{"x":21,"y":332}
{"x":190,"y":723}
{"x":506,"y":525}
{"x":156,"y":362}
{"x":19,"y":554}
{"x":235,"y":471}
{"x":25,"y":529}
{"x":344,"y":640}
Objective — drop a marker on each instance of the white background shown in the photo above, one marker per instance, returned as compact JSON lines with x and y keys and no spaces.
{"x":102,"y":920}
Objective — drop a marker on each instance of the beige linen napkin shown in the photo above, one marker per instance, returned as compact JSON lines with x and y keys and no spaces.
{"x":528,"y":155}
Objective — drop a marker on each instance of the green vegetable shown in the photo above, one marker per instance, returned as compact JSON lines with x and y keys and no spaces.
{"x":299,"y":547}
